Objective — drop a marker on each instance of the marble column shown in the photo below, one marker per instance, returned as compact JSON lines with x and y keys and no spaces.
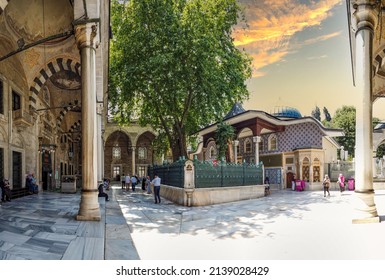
{"x":85,"y":34}
{"x":100,"y":149}
{"x":365,"y":15}
{"x":133,"y":161}
{"x":256,"y":140}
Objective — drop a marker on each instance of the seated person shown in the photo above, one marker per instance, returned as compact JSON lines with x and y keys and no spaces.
{"x":267,"y":186}
{"x":30,"y":183}
{"x":102,"y":193}
{"x":106,"y":183}
{"x":5,"y":190}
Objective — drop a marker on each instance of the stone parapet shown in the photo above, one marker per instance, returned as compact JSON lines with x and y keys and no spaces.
{"x":210,"y":196}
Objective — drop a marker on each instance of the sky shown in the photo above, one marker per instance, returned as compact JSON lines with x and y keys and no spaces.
{"x":301,"y":55}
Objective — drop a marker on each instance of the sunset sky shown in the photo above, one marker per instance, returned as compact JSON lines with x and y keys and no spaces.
{"x":301,"y":55}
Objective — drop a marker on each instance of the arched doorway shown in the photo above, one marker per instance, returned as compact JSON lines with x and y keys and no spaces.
{"x":289,"y":178}
{"x":145,"y":153}
{"x":117,"y":155}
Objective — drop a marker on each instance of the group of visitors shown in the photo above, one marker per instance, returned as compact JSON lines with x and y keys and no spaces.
{"x":128,"y":181}
{"x":31,"y":184}
{"x":326,"y":183}
{"x":133,"y":181}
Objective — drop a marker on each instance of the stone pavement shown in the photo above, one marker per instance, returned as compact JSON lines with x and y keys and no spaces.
{"x":285,"y":225}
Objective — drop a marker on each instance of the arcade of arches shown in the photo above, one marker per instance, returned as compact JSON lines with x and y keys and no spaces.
{"x":128,"y":151}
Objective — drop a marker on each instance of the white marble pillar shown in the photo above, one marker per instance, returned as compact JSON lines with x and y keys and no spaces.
{"x":365,"y":16}
{"x":85,"y":34}
{"x":256,"y":140}
{"x":133,"y":161}
{"x":100,"y":149}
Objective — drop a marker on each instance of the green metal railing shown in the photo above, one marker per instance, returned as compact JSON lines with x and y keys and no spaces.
{"x":225,"y":174}
{"x":208,"y":175}
{"x":171,"y":174}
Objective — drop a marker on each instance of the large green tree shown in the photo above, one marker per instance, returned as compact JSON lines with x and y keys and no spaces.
{"x":174,"y":64}
{"x":345,"y":118}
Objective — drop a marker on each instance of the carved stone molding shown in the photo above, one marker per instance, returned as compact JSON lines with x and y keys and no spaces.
{"x":85,"y":35}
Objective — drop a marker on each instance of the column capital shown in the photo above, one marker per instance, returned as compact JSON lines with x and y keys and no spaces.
{"x":86,"y":35}
{"x":365,"y":14}
{"x":257,"y":139}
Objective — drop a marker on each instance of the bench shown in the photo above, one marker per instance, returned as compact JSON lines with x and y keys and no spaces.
{"x":20,"y":192}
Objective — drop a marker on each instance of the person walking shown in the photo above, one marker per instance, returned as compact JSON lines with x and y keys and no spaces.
{"x":127,"y":182}
{"x":156,"y":182}
{"x":123,"y":179}
{"x":143,"y":184}
{"x":341,"y":182}
{"x":148,"y":184}
{"x":326,"y":184}
{"x":134,"y":181}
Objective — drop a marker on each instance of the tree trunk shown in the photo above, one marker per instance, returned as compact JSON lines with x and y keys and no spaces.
{"x":178,"y":146}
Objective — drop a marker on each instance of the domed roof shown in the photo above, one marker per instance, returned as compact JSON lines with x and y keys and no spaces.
{"x":287,"y":113}
{"x":380,"y":125}
{"x":235,"y":110}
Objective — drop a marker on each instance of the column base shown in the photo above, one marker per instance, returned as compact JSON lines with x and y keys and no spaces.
{"x":365,"y":210}
{"x":88,"y":218}
{"x":89,"y":207}
{"x":366,"y":220}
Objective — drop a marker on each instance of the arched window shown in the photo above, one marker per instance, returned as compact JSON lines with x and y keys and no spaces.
{"x":316,"y":170}
{"x":116,"y":152}
{"x":142,"y":153}
{"x":272,"y":144}
{"x":247,"y":146}
{"x":212,"y":152}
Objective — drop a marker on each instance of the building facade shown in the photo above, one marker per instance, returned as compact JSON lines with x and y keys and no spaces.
{"x":128,"y":150}
{"x":53,"y":88}
{"x":287,"y":144}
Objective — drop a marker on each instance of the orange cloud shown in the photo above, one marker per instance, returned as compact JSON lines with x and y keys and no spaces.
{"x":271,"y":25}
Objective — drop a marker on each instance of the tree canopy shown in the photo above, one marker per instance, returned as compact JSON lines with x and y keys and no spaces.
{"x":345,"y":118}
{"x":174,"y":65}
{"x":316,"y":113}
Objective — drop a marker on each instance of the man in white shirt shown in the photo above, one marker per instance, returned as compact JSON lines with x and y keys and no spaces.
{"x":128,"y":181}
{"x":156,"y":183}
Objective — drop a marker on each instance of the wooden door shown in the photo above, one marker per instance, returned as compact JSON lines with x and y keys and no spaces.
{"x":289,"y":178}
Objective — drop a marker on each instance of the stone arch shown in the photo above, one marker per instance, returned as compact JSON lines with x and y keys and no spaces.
{"x":245,"y":132}
{"x":108,"y":134}
{"x":211,"y":150}
{"x":18,"y":141}
{"x":75,"y":127}
{"x":54,"y":66}
{"x":121,"y":139}
{"x":272,"y":142}
{"x":65,"y":110}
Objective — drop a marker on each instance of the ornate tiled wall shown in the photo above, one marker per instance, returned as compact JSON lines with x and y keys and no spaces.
{"x":295,"y":136}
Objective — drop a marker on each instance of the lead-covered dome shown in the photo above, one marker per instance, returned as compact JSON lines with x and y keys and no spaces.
{"x":286,"y":113}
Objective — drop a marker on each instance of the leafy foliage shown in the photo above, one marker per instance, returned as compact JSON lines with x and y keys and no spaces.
{"x":328,"y":118}
{"x":345,"y":118}
{"x":224,"y":135}
{"x":174,"y":65}
{"x":316,"y":113}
